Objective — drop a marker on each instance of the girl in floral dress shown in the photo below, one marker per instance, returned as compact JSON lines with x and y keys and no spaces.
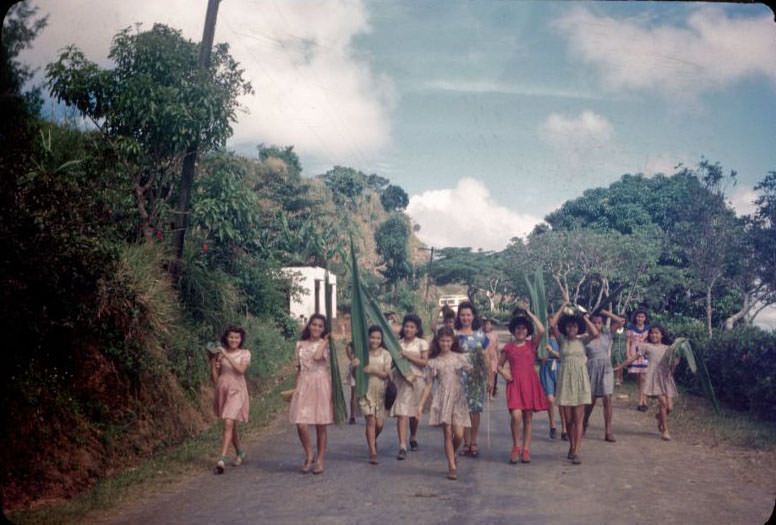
{"x":524,"y":393}
{"x":372,"y":405}
{"x":311,"y":403}
{"x":636,"y":333}
{"x":449,"y":409}
{"x":231,"y":402}
{"x":410,"y":391}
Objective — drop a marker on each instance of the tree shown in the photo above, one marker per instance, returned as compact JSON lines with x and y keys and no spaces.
{"x":346,"y":184}
{"x":151,"y":106}
{"x":392,"y":237}
{"x":18,"y":32}
{"x":394,"y":198}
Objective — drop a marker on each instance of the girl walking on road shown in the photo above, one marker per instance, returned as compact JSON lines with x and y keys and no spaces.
{"x":548,"y":376}
{"x":227,"y":370}
{"x":410,"y":391}
{"x":473,"y":342}
{"x":637,"y":333}
{"x":449,"y":409}
{"x":524,"y":393}
{"x":659,"y":378}
{"x":599,"y":367}
{"x":573,"y":381}
{"x":311,"y":403}
{"x":372,"y":405}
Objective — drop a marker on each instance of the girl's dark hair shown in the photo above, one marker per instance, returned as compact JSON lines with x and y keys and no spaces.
{"x":375,"y":328}
{"x":306,"y":332}
{"x":518,"y":321}
{"x":464,"y":305}
{"x":640,"y":311}
{"x":566,"y":319}
{"x":412,"y":318}
{"x":237,"y":330}
{"x":448,"y":314}
{"x":443,"y":332}
{"x":664,"y":337}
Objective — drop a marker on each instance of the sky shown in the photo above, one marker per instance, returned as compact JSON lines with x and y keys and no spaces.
{"x":490,"y":114}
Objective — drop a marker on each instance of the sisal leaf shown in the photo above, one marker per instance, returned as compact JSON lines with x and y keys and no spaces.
{"x":338,"y":397}
{"x":681,"y":348}
{"x":358,"y":325}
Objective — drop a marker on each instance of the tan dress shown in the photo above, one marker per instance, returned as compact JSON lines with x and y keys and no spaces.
{"x":312,"y":401}
{"x":408,"y":393}
{"x":659,"y":380}
{"x":373,"y":403}
{"x":449,"y":405}
{"x":231,"y":399}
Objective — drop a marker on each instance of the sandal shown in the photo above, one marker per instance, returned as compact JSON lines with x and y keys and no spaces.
{"x":526,"y":458}
{"x":610,"y":438}
{"x":553,"y":433}
{"x":402,"y":454}
{"x":306,"y":466}
{"x":665,"y":437}
{"x":452,"y":474}
{"x":643,"y":408}
{"x":575,"y":460}
{"x":373,"y":459}
{"x":239,"y":459}
{"x":413,"y":445}
{"x":317,"y":469}
{"x":515,"y":455}
{"x":465,"y":450}
{"x":220,"y":465}
{"x":564,"y":436}
{"x":474,"y":451}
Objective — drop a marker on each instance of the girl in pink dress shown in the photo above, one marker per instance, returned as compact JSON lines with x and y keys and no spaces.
{"x":311,"y":403}
{"x":227,"y":370}
{"x":524,"y":392}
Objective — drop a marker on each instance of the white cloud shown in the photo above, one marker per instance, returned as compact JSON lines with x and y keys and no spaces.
{"x":312,"y":89}
{"x":711,"y":51}
{"x":576,"y":134}
{"x":467,"y":215}
{"x":503,"y":88}
{"x":742,"y":201}
{"x":665,"y":163}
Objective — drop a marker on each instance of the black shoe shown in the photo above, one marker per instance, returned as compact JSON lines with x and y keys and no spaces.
{"x":643,"y":408}
{"x":352,"y":421}
{"x":553,"y":433}
{"x":564,"y":436}
{"x":575,"y":460}
{"x":413,"y":445}
{"x":402,"y":454}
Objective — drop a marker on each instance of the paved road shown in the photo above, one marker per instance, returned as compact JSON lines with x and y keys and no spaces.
{"x":638,"y":479}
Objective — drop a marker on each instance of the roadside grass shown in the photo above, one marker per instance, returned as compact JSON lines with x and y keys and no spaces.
{"x":694,"y":420}
{"x":167,"y":467}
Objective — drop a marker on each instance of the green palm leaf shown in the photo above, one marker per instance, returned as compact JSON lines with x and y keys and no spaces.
{"x":682,"y":349}
{"x":536,"y":290}
{"x":338,"y":396}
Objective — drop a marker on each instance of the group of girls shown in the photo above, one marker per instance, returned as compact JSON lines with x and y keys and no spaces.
{"x":461,"y":366}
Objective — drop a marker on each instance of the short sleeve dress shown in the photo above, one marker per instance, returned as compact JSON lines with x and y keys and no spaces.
{"x":475,"y":380}
{"x":449,"y":405}
{"x":373,"y":403}
{"x":311,"y":403}
{"x":659,"y":380}
{"x":548,"y":371}
{"x":635,"y":337}
{"x":231,"y":399}
{"x":599,"y":365}
{"x":524,"y":391}
{"x":409,"y":392}
{"x":573,"y":381}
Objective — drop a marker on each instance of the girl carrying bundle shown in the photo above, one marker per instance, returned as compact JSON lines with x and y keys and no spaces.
{"x":410,"y":392}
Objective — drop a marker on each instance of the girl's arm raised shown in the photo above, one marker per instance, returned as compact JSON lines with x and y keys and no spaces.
{"x":627,"y":362}
{"x":617,"y":321}
{"x":555,"y":317}
{"x":592,"y":330}
{"x":539,"y":326}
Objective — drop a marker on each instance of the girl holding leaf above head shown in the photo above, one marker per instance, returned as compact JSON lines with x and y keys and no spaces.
{"x":524,"y":393}
{"x":573,"y":380}
{"x":449,"y":408}
{"x":372,"y":405}
{"x":312,"y":403}
{"x":473,"y":342}
{"x":599,"y":366}
{"x":409,"y":392}
{"x":659,"y":376}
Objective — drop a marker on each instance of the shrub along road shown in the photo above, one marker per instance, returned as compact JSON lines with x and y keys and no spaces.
{"x":638,"y":479}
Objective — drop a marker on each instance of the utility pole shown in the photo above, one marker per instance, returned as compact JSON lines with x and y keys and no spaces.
{"x":190,"y":160}
{"x":428,"y":270}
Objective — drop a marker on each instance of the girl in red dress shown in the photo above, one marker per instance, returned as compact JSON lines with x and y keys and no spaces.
{"x":524,"y":392}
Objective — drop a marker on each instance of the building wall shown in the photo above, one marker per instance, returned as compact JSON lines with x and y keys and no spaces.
{"x":306,"y":277}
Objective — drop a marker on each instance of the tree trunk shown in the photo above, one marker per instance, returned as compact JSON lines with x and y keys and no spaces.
{"x":733,"y":319}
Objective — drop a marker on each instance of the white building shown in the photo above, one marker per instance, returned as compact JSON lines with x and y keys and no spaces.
{"x":312,"y":298}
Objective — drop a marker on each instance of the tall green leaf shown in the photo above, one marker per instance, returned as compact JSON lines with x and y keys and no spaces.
{"x":375,"y":314}
{"x":338,"y":397}
{"x":681,"y":348}
{"x":358,"y":325}
{"x":536,"y":290}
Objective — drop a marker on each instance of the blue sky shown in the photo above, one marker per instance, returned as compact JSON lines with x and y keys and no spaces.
{"x":489,"y":113}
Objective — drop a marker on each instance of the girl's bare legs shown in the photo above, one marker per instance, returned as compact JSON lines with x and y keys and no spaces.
{"x":618,"y":377}
{"x":551,"y":410}
{"x":568,"y":415}
{"x":563,"y":427}
{"x":320,"y":431}
{"x":664,"y":403}
{"x":608,"y":411}
{"x":229,"y":432}
{"x":371,"y":435}
{"x":449,"y":446}
{"x":236,"y":439}
{"x":515,"y":426}
{"x":642,"y":383}
{"x":588,"y":411}
{"x":401,"y":429}
{"x":527,"y":429}
{"x":304,"y":437}
{"x":352,"y":404}
{"x":579,"y":414}
{"x":475,"y":431}
{"x":413,"y":428}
